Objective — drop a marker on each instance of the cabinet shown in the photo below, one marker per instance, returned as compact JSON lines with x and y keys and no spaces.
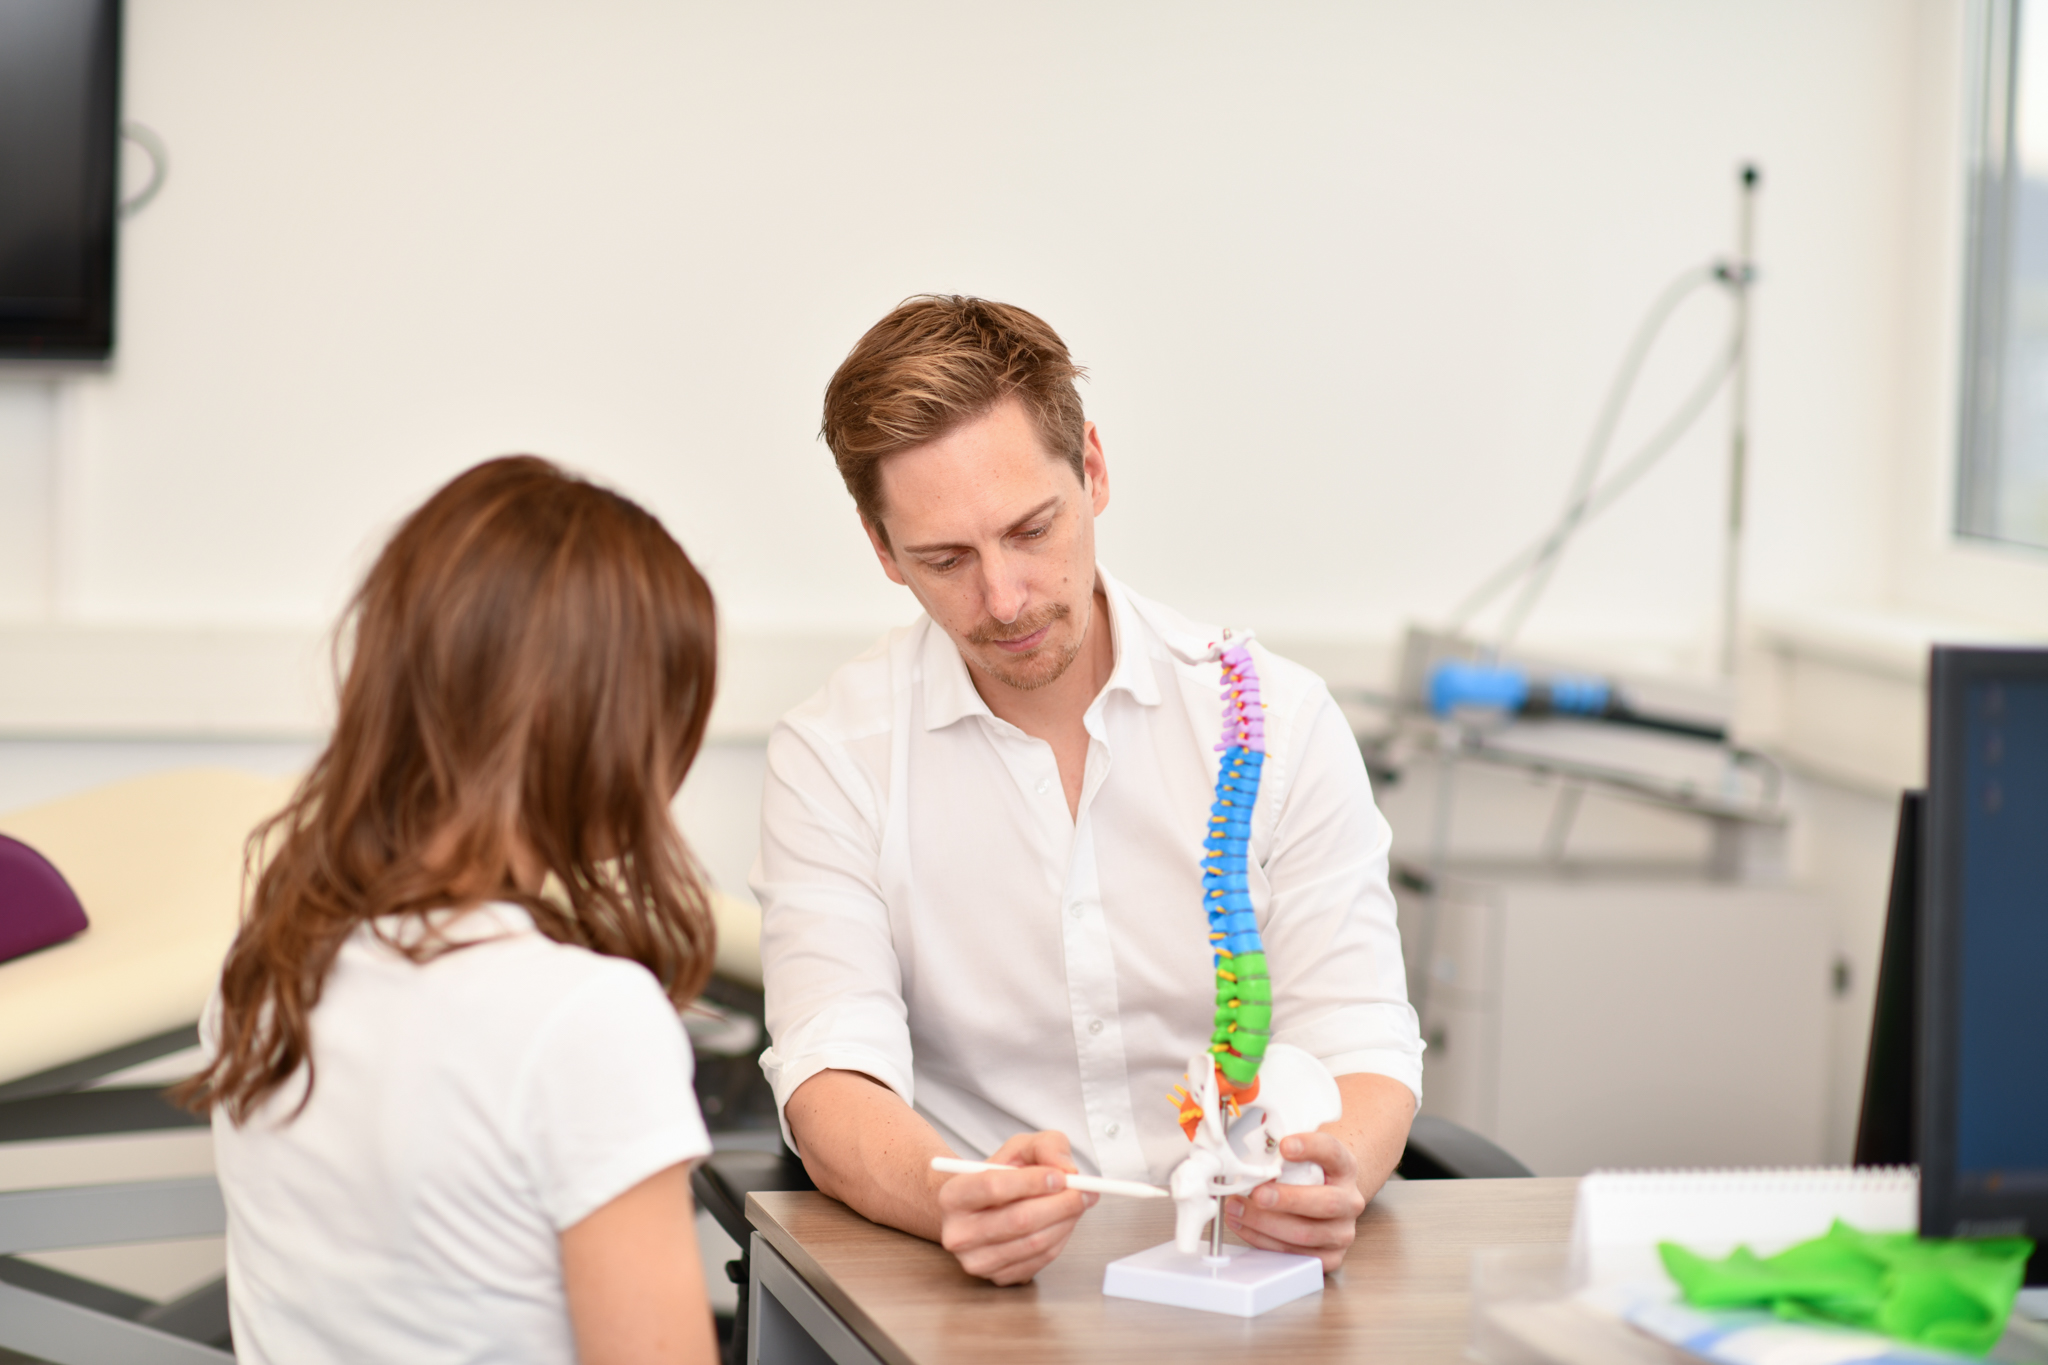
{"x":1584,"y":1021}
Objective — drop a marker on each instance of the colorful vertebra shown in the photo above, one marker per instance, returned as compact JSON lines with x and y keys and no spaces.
{"x":1244,"y":994}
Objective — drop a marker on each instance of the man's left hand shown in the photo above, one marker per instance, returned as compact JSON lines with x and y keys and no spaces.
{"x":1304,"y":1220}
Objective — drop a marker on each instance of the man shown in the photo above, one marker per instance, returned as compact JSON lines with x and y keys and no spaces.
{"x":979,"y":872}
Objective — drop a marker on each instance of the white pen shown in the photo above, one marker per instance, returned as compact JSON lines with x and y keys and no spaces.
{"x":1093,"y":1184}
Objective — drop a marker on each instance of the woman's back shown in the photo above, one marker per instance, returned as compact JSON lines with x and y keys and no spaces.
{"x":466,"y":1110}
{"x":478,"y":1150}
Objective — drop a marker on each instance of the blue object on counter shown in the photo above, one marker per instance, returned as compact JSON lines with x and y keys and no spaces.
{"x":1579,"y":695}
{"x":1502,"y":687}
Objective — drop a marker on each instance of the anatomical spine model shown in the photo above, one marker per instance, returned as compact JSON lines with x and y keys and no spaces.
{"x":1234,"y":1109}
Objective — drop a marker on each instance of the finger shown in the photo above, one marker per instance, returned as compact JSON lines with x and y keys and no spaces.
{"x":1043,"y":1149}
{"x":1308,"y":1234}
{"x":1017,"y":1232}
{"x":1021,"y":1219}
{"x":1023,"y":1272}
{"x":1325,"y":1150}
{"x":994,"y":1189}
{"x":1310,"y":1201}
{"x":1331,"y":1257}
{"x":1275,"y":1216}
{"x":1017,"y":1260}
{"x":1008,"y":1154}
{"x":996,"y":1226}
{"x":1036,"y":1149}
{"x":962,"y":1231}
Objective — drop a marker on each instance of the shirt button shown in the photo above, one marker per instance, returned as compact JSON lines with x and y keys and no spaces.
{"x":1112,"y":1130}
{"x":1095,"y":1026}
{"x":1079,"y":910}
{"x":1044,"y":785}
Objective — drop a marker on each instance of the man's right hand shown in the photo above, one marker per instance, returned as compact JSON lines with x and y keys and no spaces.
{"x":868,"y":1149}
{"x":1006,"y":1226}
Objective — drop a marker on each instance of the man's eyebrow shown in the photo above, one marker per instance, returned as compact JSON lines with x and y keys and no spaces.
{"x":1048,"y":505}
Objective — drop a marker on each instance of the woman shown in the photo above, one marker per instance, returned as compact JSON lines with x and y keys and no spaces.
{"x":451,"y":1096}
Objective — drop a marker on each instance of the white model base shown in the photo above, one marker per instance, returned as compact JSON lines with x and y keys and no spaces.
{"x":1244,"y":1283}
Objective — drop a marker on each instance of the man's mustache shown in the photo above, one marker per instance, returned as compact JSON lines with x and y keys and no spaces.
{"x":991,"y":632}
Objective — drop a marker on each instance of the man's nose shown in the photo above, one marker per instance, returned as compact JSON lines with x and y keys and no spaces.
{"x":1005,"y":588}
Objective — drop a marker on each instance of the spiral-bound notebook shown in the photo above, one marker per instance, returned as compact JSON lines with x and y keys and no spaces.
{"x":1622,"y":1215}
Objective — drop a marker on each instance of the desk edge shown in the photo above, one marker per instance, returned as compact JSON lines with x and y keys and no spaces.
{"x":823,"y":1285}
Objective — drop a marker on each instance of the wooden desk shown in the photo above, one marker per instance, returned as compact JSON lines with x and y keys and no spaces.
{"x":1402,"y":1295}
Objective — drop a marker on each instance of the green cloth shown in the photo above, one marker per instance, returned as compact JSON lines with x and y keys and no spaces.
{"x":1950,"y":1294}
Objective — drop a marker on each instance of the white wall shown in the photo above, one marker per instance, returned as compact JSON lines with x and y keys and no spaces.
{"x":1351,"y":279}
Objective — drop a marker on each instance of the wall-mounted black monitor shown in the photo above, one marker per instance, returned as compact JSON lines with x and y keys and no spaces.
{"x":60,"y":125}
{"x":1983,"y":1074}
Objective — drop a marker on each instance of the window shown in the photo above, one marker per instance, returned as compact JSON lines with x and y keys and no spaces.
{"x":2002,"y":469}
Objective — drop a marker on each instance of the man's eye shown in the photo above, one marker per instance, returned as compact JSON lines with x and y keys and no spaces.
{"x":1034,"y":533}
{"x":947,"y":564}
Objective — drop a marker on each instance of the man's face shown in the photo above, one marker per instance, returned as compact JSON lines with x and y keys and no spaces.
{"x":996,"y":539}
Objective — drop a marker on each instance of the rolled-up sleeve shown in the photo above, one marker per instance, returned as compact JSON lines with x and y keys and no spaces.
{"x":1332,"y":942}
{"x":833,"y":983}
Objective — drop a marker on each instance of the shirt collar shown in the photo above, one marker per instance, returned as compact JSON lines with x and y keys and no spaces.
{"x":452,"y":927}
{"x":949,"y":692}
{"x":1135,"y":645}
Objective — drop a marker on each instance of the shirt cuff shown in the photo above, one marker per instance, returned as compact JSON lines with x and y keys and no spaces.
{"x":653,"y":1154}
{"x":1399,"y":1066}
{"x":1383,"y":1038}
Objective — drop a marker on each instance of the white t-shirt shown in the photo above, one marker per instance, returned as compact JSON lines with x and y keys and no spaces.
{"x":465,"y":1111}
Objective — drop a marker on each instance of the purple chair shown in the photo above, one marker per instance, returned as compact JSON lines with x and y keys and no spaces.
{"x":37,"y":906}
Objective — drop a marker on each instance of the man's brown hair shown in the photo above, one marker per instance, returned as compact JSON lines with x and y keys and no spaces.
{"x":532,"y":665}
{"x":935,"y":363}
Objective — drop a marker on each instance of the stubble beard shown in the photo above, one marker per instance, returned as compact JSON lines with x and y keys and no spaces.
{"x":1043,"y":667}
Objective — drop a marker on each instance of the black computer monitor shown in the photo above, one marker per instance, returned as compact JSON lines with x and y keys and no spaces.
{"x":1982,"y":1078}
{"x":1884,"y":1129}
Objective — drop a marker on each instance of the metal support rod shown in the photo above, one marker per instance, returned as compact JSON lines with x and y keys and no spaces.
{"x":1561,"y":816}
{"x":1742,"y":276}
{"x":1450,"y":739}
{"x":1216,"y":1232}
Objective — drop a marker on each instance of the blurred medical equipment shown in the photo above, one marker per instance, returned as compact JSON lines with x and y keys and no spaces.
{"x":1518,"y":691}
{"x":1533,"y":566}
{"x":1459,"y":697}
{"x":1455,"y":706}
{"x":1584,"y":1010}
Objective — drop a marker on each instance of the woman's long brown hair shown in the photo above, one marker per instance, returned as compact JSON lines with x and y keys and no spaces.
{"x":531,"y":663}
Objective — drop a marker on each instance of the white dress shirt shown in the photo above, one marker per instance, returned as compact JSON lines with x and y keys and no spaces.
{"x":933,"y":916}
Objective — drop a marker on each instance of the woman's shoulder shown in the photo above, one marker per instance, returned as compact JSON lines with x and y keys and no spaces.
{"x":491,"y":961}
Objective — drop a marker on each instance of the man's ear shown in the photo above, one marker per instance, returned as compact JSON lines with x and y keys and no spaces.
{"x":882,"y":552}
{"x":1094,"y":468}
